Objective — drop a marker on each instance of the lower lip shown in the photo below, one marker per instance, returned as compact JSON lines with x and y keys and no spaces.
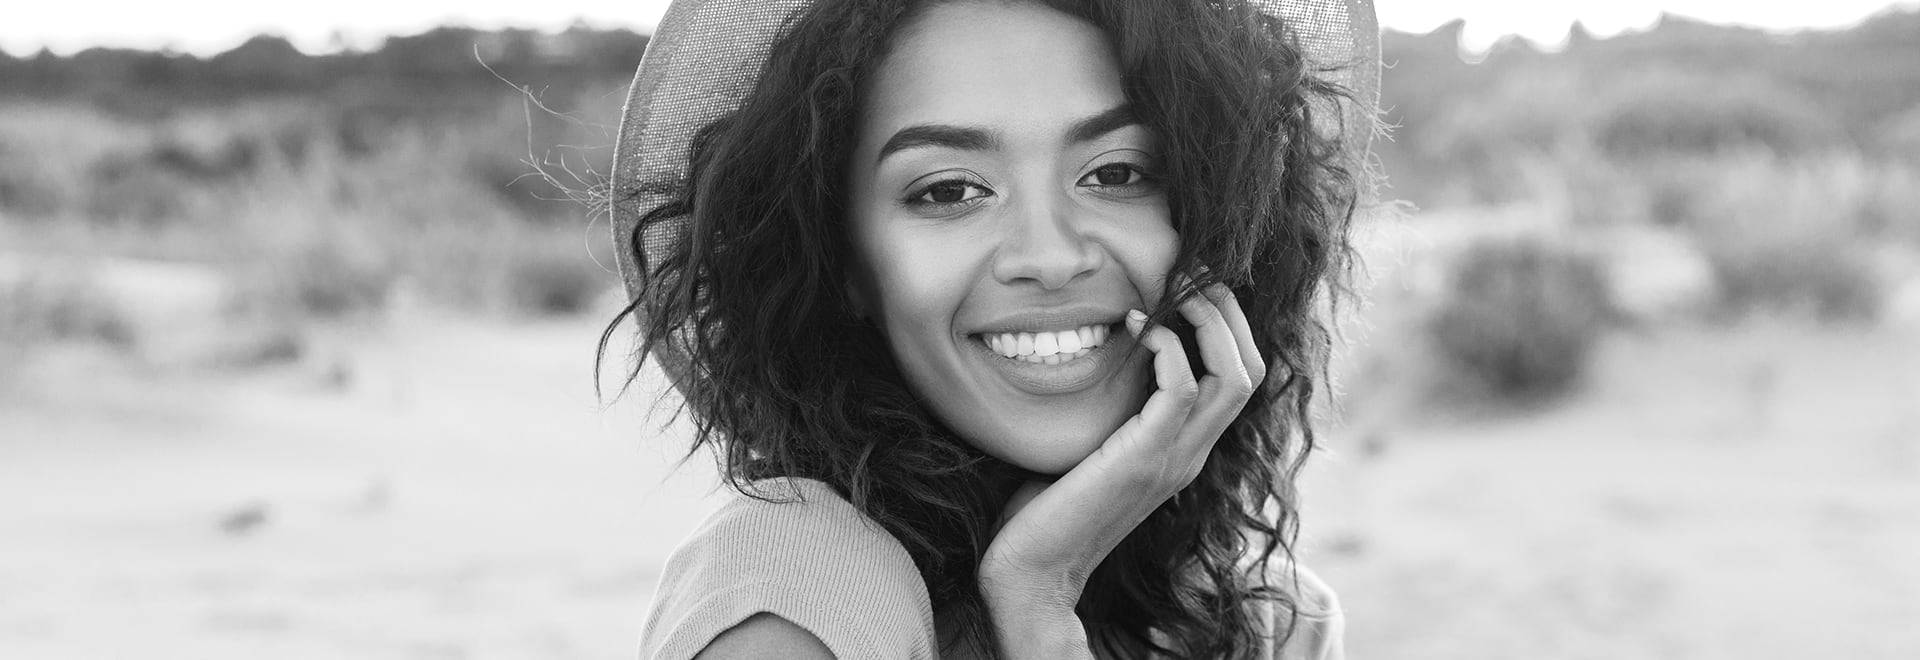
{"x":1048,"y":379}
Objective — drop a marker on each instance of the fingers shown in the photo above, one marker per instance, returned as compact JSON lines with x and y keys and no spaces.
{"x":1150,"y":450}
{"x":1176,"y":390}
{"x":1220,"y":350}
{"x":1229,"y":307}
{"x":1185,"y":416}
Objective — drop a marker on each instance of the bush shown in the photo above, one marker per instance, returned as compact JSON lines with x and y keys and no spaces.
{"x":1481,"y":144}
{"x":314,"y":226}
{"x":38,"y":305}
{"x":1663,"y":112}
{"x":1831,"y":282}
{"x":1798,"y":236}
{"x":336,"y":276}
{"x":1521,"y":316}
{"x":1901,"y":135}
{"x":557,"y":277}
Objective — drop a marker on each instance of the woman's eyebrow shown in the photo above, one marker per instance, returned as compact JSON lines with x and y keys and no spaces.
{"x":969,"y":138}
{"x":938,"y":135}
{"x":1108,"y":121}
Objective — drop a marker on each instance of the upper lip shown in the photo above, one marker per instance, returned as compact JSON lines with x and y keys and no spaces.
{"x":1044,"y":320}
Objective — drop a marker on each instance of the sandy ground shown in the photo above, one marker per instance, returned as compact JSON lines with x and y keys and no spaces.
{"x":457,"y":491}
{"x":1753,"y":494}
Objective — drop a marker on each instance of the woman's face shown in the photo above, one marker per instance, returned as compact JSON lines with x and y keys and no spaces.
{"x":1006,"y":218}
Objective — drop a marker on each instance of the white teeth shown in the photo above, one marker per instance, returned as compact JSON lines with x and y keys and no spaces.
{"x":1070,"y":342}
{"x":1046,"y":343}
{"x":1047,"y":347}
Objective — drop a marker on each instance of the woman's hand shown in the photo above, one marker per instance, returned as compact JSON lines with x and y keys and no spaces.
{"x":1055,"y":535}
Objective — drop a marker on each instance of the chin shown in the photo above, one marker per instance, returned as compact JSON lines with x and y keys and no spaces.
{"x":1056,"y":447}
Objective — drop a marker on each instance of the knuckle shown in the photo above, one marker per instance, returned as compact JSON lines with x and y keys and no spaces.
{"x":1163,"y":337}
{"x":1190,"y":473}
{"x":1172,"y":478}
{"x":1241,"y":386}
{"x":1257,"y":374}
{"x":1185,"y":392}
{"x":1201,"y":313}
{"x":1180,"y":474}
{"x":1151,"y":339}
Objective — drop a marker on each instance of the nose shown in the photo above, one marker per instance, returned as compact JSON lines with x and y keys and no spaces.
{"x":1044,"y":243}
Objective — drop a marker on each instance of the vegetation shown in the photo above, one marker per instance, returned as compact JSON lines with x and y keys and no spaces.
{"x":1521,"y":317}
{"x":1787,"y":162}
{"x":330,"y":186}
{"x":324,"y":189}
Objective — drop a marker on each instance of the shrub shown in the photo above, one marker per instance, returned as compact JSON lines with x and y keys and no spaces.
{"x":1901,"y":135}
{"x":313,"y":227}
{"x":39,"y":305}
{"x":1483,"y":142}
{"x":556,"y":276}
{"x":1521,"y":316}
{"x":337,"y":275}
{"x":1664,"y":112}
{"x":1830,"y":282}
{"x":46,"y":152}
{"x":1797,"y":235}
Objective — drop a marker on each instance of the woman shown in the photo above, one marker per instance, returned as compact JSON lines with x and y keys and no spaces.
{"x":1000,"y":316}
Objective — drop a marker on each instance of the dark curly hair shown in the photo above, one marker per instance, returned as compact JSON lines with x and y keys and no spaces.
{"x":783,"y":380}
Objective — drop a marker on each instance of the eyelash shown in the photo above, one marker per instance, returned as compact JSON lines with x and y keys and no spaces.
{"x":1144,"y":177}
{"x":918,"y":198}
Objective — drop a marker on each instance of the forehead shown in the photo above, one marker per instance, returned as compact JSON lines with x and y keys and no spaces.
{"x":1007,"y":64}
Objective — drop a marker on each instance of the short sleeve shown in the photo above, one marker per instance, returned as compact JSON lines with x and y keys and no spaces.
{"x":814,"y":561}
{"x":1320,"y":628}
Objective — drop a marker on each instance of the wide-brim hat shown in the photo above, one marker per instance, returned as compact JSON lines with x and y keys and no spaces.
{"x":706,"y":55}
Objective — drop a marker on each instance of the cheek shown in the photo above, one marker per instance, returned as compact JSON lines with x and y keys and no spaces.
{"x":1147,"y":249}
{"x":916,"y":281}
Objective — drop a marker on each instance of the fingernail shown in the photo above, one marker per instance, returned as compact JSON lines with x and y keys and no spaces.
{"x":1136,"y":320}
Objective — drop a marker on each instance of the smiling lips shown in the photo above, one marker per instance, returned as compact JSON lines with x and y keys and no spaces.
{"x":1047,"y":347}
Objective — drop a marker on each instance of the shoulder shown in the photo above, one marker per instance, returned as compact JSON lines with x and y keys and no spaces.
{"x":1314,"y":597}
{"x":1318,"y":628}
{"x":804,"y":554}
{"x":800,"y":533}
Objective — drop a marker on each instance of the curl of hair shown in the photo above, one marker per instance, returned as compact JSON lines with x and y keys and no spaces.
{"x":782,"y":379}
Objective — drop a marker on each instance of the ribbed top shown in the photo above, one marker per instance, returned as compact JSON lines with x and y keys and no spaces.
{"x":813,"y":560}
{"x":809,"y":557}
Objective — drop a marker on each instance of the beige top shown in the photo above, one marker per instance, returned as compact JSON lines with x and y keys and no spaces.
{"x":824,"y":566}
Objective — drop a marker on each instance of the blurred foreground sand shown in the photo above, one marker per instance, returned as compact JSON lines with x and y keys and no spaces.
{"x":457,"y":492}
{"x":461,"y":495}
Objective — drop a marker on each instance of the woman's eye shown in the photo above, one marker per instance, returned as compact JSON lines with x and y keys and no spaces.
{"x":950,"y":192}
{"x":1113,"y":174}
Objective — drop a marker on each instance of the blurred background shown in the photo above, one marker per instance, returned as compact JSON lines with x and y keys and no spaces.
{"x":298,"y":318}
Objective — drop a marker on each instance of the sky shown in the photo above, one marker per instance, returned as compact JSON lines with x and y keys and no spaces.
{"x":210,"y":26}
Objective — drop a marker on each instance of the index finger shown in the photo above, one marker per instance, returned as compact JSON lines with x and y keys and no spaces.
{"x":1236,"y":318}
